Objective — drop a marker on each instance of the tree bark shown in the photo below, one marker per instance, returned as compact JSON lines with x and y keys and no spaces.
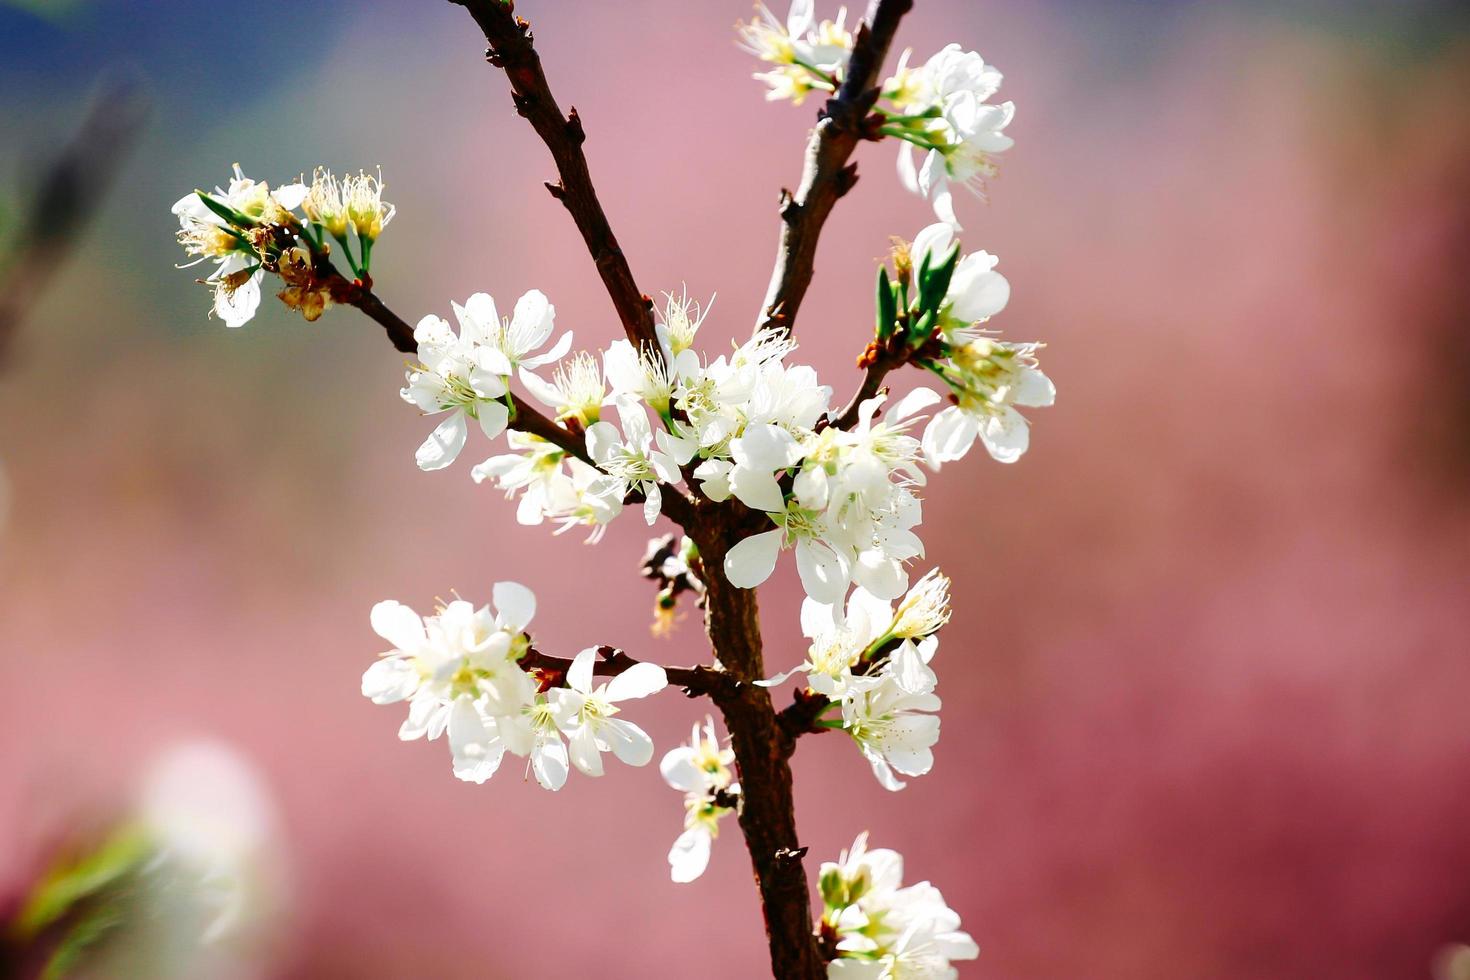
{"x":768,"y":809}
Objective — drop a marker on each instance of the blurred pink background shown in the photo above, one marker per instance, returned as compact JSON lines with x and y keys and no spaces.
{"x":1206,"y":683}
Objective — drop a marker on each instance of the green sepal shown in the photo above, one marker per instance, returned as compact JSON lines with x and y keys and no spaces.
{"x":934,"y":283}
{"x":229,"y":214}
{"x":923,"y":329}
{"x":887,"y":304}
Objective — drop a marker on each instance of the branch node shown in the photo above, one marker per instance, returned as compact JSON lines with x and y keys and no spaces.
{"x":556,"y":190}
{"x":575,"y":132}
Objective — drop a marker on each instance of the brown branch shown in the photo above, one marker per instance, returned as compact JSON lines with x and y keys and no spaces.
{"x":702,"y":680}
{"x":877,"y":369}
{"x":800,"y":717}
{"x":527,"y":419}
{"x":768,"y":812}
{"x":826,"y":174}
{"x":511,"y":49}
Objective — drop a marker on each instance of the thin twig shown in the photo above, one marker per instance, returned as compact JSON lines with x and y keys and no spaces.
{"x":877,"y":370}
{"x":702,"y":680}
{"x":826,"y":175}
{"x":511,"y":49}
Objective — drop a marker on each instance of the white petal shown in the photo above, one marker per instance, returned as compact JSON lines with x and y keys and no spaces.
{"x":913,"y":403}
{"x":584,"y":752}
{"x":549,"y":763}
{"x":881,"y":575}
{"x":629,"y":742}
{"x":822,"y":572}
{"x":978,"y":292}
{"x":714,"y":479}
{"x":907,"y":175}
{"x":493,"y":418}
{"x":444,"y":443}
{"x":949,"y":435}
{"x":556,"y":353}
{"x":679,"y":771}
{"x":535,"y":315}
{"x":751,"y":561}
{"x":764,"y":447}
{"x":653,"y":502}
{"x":1035,"y":389}
{"x":290,"y":196}
{"x":399,"y":625}
{"x":237,"y":307}
{"x":542,"y":390}
{"x":602,"y":439}
{"x":515,"y":605}
{"x":934,"y":241}
{"x":579,"y":674}
{"x":690,"y":855}
{"x":757,"y":489}
{"x":477,"y":317}
{"x":1007,"y":436}
{"x":817,"y":617}
{"x":638,"y":681}
{"x":390,"y":679}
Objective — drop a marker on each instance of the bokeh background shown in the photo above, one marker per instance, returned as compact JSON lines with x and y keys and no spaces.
{"x":1206,"y":684}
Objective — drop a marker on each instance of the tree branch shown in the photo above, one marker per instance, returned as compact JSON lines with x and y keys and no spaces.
{"x":768,"y":812}
{"x":511,"y":49}
{"x":826,"y":175}
{"x":877,"y":369}
{"x":702,"y":680}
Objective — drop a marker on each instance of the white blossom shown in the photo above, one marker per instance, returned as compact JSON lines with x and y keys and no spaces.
{"x":680,"y":321}
{"x":576,"y":389}
{"x":702,"y":771}
{"x":976,"y":291}
{"x":887,"y":931}
{"x":889,"y":715}
{"x":237,"y":274}
{"x":637,"y":458}
{"x":458,"y":374}
{"x":989,"y":379}
{"x":806,"y":55}
{"x":458,"y":670}
{"x":952,"y":121}
{"x":586,"y":714}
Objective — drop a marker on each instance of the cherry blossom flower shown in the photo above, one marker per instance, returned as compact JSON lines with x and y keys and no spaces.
{"x":887,"y":931}
{"x":457,"y":374}
{"x":702,"y":771}
{"x":586,"y":714}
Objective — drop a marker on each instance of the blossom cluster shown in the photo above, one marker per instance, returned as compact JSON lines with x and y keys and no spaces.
{"x":879,"y":929}
{"x":702,"y":771}
{"x":461,"y":672}
{"x":941,"y":107}
{"x":805,"y":55}
{"x":247,"y":229}
{"x":871,"y":661}
{"x":747,"y":425}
